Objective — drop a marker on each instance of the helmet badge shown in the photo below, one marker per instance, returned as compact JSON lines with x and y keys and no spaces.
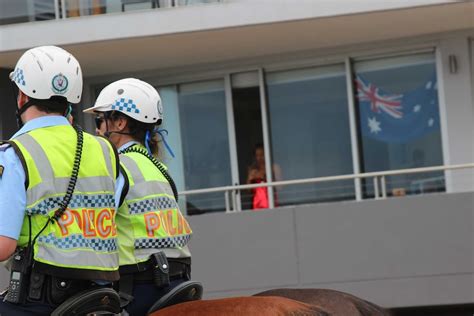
{"x":59,"y":83}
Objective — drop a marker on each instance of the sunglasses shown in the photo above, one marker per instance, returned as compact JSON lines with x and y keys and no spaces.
{"x":98,"y":121}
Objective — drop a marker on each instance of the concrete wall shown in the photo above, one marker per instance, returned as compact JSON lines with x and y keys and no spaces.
{"x":410,"y":251}
{"x":399,"y":252}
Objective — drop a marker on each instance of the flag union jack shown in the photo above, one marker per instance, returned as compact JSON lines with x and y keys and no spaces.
{"x":390,"y":104}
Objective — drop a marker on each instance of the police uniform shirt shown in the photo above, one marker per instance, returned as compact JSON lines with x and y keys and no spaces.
{"x":12,"y":180}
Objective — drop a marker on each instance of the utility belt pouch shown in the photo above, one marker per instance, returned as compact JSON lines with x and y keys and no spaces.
{"x":161,"y":269}
{"x":19,"y":277}
{"x":61,"y":289}
{"x":36,"y":286}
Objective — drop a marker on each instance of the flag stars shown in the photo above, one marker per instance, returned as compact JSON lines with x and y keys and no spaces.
{"x":374,"y":125}
{"x":417,"y":108}
{"x":428,"y":85}
{"x":430,"y":122}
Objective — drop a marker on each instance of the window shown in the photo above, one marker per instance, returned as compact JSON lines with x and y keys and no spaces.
{"x":204,"y":143}
{"x":212,"y":129}
{"x":310,"y":132}
{"x":170,"y":133}
{"x":19,"y":11}
{"x":397,"y":103}
{"x":248,"y":126}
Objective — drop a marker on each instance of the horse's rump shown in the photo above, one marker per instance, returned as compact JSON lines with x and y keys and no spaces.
{"x":332,"y":301}
{"x":237,"y":306}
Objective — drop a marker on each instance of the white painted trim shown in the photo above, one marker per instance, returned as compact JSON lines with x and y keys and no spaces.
{"x":234,"y":162}
{"x":63,"y":9}
{"x":443,"y":117}
{"x":56,"y":8}
{"x":353,"y":128}
{"x":266,"y":136}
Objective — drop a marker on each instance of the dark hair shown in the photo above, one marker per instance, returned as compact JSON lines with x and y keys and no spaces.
{"x":138,"y":131}
{"x":55,"y":104}
{"x":257,"y":146}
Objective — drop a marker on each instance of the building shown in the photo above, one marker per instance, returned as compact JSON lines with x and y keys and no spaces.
{"x":330,"y":88}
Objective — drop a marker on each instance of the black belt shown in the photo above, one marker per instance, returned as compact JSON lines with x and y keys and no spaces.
{"x":143,"y":271}
{"x":53,"y":290}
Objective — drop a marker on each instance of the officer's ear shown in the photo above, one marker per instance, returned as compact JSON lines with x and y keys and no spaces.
{"x":121,"y":123}
{"x":21,"y":99}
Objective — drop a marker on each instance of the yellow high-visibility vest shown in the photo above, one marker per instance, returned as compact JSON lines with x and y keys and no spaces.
{"x":149,"y":219}
{"x":83,"y":242}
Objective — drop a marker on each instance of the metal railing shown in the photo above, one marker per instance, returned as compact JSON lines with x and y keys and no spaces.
{"x":378,"y":178}
{"x":39,"y":10}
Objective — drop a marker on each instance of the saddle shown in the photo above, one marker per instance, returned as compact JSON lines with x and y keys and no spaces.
{"x":184,"y":292}
{"x":90,"y":301}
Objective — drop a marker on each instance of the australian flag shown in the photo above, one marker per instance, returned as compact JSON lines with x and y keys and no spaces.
{"x":397,"y":118}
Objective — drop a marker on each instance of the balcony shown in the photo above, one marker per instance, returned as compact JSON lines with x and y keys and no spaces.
{"x":20,"y":11}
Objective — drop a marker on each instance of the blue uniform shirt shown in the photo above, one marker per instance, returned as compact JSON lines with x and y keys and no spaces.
{"x":126,"y":145}
{"x":12,"y":182}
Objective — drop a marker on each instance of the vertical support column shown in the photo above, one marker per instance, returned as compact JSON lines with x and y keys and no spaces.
{"x":234,"y":163}
{"x":376,"y":188}
{"x":56,"y":9}
{"x":266,"y":136}
{"x":456,"y":110}
{"x":383,"y":184}
{"x":353,"y":128}
{"x":227,"y":204}
{"x":63,"y":9}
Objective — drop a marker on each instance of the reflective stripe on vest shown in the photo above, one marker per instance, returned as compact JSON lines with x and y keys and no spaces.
{"x":85,"y":235}
{"x":149,"y":219}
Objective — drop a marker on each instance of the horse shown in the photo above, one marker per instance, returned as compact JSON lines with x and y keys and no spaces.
{"x":238,"y":306}
{"x":294,"y":302}
{"x":334,"y":302}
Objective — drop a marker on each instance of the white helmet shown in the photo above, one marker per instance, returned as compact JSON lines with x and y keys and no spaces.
{"x":132,"y":97}
{"x":47,"y":71}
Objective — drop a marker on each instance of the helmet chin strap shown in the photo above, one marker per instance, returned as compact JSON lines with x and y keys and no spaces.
{"x":19,"y":112}
{"x":107,"y":133}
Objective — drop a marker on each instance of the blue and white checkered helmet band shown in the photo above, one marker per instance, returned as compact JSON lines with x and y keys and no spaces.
{"x":125,"y":105}
{"x":19,"y":77}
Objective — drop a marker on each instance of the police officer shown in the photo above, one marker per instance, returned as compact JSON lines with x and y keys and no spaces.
{"x":57,"y":191}
{"x":151,"y":228}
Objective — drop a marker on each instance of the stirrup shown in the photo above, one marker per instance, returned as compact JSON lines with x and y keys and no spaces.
{"x":184,"y":292}
{"x":90,"y":301}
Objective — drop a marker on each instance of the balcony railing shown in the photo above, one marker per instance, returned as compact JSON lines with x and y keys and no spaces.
{"x":374,"y":187}
{"x":19,"y":11}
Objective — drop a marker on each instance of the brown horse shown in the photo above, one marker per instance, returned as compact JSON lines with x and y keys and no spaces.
{"x":237,"y":306}
{"x":333,"y":302}
{"x":294,"y":302}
